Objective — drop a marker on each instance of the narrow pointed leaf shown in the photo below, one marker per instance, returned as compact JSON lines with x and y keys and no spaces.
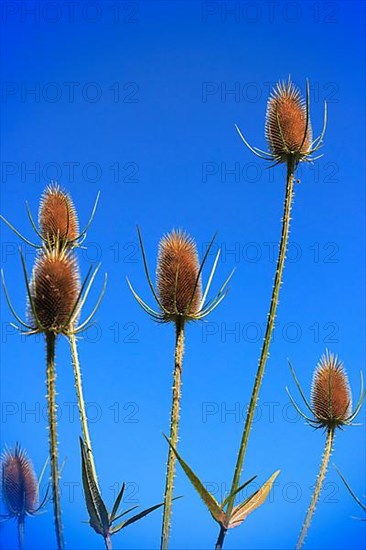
{"x":353,"y":495}
{"x":98,"y":513}
{"x":214,"y":507}
{"x":136,"y":517}
{"x":237,"y":491}
{"x":118,"y":502}
{"x":241,"y":511}
{"x":125,"y":513}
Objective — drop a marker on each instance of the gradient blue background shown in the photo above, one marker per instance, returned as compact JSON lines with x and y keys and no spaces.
{"x":170,"y":131}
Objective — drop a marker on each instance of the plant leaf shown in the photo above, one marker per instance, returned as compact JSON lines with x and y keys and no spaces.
{"x":124,"y":513}
{"x":214,"y":507}
{"x":142,"y":514}
{"x":237,"y":491}
{"x":118,"y":502}
{"x":98,"y":513}
{"x":241,"y":511}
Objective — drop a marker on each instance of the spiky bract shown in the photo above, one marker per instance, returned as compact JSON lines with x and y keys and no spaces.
{"x":57,"y":217}
{"x":19,"y":483}
{"x":178,"y":280}
{"x":331,"y":394}
{"x":54,"y":289}
{"x":288,"y":130}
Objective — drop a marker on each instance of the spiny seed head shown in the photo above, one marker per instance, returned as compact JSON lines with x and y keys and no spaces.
{"x":178,"y":284}
{"x":55,"y":288}
{"x":19,"y":484}
{"x":57,"y":216}
{"x":331,"y":394}
{"x":286,"y":123}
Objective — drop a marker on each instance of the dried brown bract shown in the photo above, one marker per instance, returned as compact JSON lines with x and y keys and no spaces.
{"x":178,"y":275}
{"x":19,"y":483}
{"x":331,"y":394}
{"x":288,"y":129}
{"x":54,"y":288}
{"x":57,"y":216}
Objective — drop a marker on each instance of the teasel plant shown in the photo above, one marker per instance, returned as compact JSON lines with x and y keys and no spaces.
{"x":20,"y":488}
{"x":57,"y":220}
{"x":289,"y":136}
{"x":55,"y":298}
{"x":330,"y":409}
{"x":180,"y":300}
{"x":352,"y":493}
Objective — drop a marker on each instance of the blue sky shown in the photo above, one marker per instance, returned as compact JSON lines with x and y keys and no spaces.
{"x":141,"y":104}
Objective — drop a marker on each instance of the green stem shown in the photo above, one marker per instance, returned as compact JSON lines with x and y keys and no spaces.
{"x":174,"y":425}
{"x":20,"y":532}
{"x":291,"y":165}
{"x":318,"y":487}
{"x":81,"y":402}
{"x":52,"y":421}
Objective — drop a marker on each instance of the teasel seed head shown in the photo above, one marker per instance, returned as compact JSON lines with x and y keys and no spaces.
{"x":54,"y":289}
{"x":288,"y":129}
{"x":57,"y":216}
{"x":331,"y":394}
{"x":178,"y":276}
{"x":19,"y":483}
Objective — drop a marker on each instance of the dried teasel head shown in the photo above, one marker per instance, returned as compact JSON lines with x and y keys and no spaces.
{"x":54,"y":291}
{"x":331,"y":400}
{"x":288,"y":128}
{"x":19,"y":483}
{"x":178,"y":276}
{"x":57,"y":216}
{"x":331,"y":394}
{"x":179,"y":287}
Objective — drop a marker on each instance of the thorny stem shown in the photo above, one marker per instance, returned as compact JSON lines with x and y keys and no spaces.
{"x":174,"y":424}
{"x":52,"y":421}
{"x":291,"y":166}
{"x":20,"y":532}
{"x":81,"y":403}
{"x":318,"y":487}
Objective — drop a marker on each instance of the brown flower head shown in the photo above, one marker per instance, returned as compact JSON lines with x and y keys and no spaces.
{"x":288,"y":130}
{"x":178,"y":281}
{"x":19,"y":484}
{"x":57,"y":216}
{"x":54,"y":290}
{"x":331,"y":394}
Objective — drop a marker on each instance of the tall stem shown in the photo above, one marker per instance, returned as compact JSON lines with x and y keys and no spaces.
{"x":81,"y":403}
{"x":174,"y":425}
{"x":291,"y":165}
{"x":318,"y":487}
{"x":52,"y":421}
{"x":20,"y":532}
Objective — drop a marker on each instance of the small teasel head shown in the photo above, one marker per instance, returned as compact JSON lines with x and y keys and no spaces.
{"x":178,"y":290}
{"x":288,"y":127}
{"x":57,"y":219}
{"x":331,"y":399}
{"x":19,"y":484}
{"x":54,"y":291}
{"x":178,"y":276}
{"x":331,"y":394}
{"x":57,"y":216}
